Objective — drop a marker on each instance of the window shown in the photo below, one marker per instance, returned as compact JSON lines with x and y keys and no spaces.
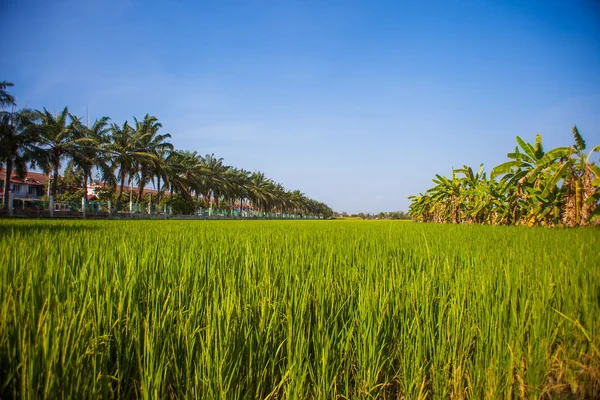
{"x":16,"y":188}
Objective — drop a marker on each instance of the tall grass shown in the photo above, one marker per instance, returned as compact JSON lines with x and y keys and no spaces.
{"x":295,"y":310}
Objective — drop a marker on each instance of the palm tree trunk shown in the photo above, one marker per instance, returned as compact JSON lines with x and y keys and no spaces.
{"x":157,"y":190}
{"x":130,"y":192}
{"x":8,"y":171}
{"x":85,"y":186}
{"x":141,"y":188}
{"x":123,"y":173}
{"x":55,"y":180}
{"x":208,"y":203}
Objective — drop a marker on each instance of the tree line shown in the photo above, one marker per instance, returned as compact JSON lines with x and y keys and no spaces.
{"x":379,"y":215}
{"x":560,"y":187}
{"x":136,"y":152}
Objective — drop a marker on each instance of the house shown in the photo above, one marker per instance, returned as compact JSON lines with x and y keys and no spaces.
{"x":27,"y":192}
{"x":30,"y":188}
{"x":95,"y":187}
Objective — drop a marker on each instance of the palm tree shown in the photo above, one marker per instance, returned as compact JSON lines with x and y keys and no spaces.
{"x":238,"y":187}
{"x":174,"y":171}
{"x":56,"y":139}
{"x":18,"y":145}
{"x":123,"y":151}
{"x":87,"y":151}
{"x":189,"y":174}
{"x":259,"y":191}
{"x":149,"y":143}
{"x":213,"y":182}
{"x":46,"y":140}
{"x":161,"y":171}
{"x":281,"y":198}
{"x":297,"y":200}
{"x":6,"y":99}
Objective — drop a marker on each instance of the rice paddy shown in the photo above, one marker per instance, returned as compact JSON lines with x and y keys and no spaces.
{"x":297,"y":310}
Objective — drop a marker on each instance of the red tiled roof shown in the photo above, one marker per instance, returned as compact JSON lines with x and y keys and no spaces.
{"x":32,"y":178}
{"x":126,"y":188}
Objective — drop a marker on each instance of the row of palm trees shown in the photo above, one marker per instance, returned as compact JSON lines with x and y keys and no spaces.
{"x":133,"y":153}
{"x":558,"y":187}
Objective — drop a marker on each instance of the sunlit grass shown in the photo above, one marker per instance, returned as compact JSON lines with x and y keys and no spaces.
{"x":296,"y":309}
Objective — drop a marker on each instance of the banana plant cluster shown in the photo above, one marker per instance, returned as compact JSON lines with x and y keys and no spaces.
{"x":133,"y":153}
{"x":557,"y":187}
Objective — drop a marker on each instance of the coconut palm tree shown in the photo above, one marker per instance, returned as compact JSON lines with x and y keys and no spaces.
{"x":191,"y":174}
{"x":161,"y":173}
{"x":18,"y":145}
{"x":87,"y":150}
{"x":260,"y":191}
{"x":214,"y":179}
{"x":242,"y":190}
{"x":6,"y":99}
{"x":175,"y":167}
{"x":149,"y":143}
{"x":234,"y":187}
{"x":297,"y":201}
{"x":281,"y":198}
{"x":57,"y":141}
{"x":125,"y":152}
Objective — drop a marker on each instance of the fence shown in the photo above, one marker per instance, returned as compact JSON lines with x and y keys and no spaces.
{"x":101,"y":209}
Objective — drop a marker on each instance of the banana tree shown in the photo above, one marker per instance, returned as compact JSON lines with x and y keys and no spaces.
{"x":582,"y":183}
{"x":482,"y":198}
{"x":528,"y":168}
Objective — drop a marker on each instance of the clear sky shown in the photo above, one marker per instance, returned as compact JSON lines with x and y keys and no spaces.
{"x":356,"y":103}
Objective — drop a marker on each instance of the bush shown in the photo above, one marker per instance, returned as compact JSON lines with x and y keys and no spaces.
{"x":178,"y":204}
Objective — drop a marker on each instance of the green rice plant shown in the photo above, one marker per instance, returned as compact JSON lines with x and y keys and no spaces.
{"x":296,"y":310}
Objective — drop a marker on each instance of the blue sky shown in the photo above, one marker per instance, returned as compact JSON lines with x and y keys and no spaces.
{"x":356,"y":103}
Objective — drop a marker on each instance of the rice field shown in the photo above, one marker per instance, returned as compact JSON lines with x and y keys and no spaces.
{"x":297,"y":310}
